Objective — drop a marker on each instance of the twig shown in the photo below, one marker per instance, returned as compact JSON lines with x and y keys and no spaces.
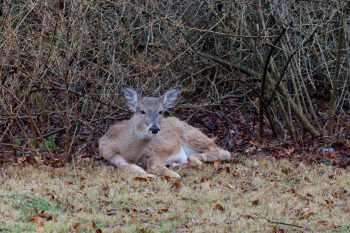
{"x":289,"y":224}
{"x":263,"y":82}
{"x":309,"y":39}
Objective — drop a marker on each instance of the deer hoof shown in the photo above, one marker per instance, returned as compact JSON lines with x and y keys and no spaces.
{"x":194,"y":162}
{"x":224,"y":155}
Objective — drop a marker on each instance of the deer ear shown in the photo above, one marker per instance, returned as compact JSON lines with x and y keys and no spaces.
{"x":171,"y":97}
{"x":130,"y":95}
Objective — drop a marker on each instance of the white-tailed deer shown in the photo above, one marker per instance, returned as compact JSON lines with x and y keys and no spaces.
{"x":149,"y":141}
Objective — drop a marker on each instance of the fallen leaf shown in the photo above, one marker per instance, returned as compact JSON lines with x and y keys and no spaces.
{"x":173,"y":218}
{"x":307,"y":212}
{"x":337,"y":144}
{"x":322,"y":222}
{"x":290,"y":191}
{"x":255,"y":202}
{"x":76,"y":226}
{"x":21,"y":160}
{"x":204,"y":179}
{"x":187,"y":224}
{"x":217,"y":164}
{"x":255,"y":142}
{"x":37,"y":219}
{"x":329,"y":202}
{"x":163,"y":210}
{"x":40,"y":218}
{"x":347,"y":210}
{"x":176,"y":185}
{"x":141,"y":179}
{"x":219,"y":207}
{"x":167,"y":178}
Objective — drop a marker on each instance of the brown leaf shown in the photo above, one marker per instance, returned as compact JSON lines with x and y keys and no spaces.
{"x":307,"y":212}
{"x":98,"y":230}
{"x":141,"y":179}
{"x":322,"y":222}
{"x":347,"y":210}
{"x":255,"y":142}
{"x":309,"y":195}
{"x":219,"y":207}
{"x":329,"y":153}
{"x":37,"y":219}
{"x":173,"y":218}
{"x":337,"y":144}
{"x":167,"y":178}
{"x":76,"y":226}
{"x":40,"y":217}
{"x":290,"y":191}
{"x":21,"y":160}
{"x":176,"y":185}
{"x":204,"y":179}
{"x":217,"y":164}
{"x":163,"y":210}
{"x":255,"y":202}
{"x":187,"y":224}
{"x":329,"y":203}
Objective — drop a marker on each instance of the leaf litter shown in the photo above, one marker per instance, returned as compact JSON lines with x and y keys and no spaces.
{"x":238,"y":195}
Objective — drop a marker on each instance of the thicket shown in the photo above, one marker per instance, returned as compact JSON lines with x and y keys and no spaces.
{"x":62,"y":63}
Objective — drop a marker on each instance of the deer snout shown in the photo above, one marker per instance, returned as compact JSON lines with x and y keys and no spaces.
{"x":154,"y":129}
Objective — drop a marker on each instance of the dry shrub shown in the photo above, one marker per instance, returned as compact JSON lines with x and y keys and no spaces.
{"x":62,"y":63}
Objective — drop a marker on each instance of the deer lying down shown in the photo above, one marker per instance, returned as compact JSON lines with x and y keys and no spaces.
{"x":149,"y":141}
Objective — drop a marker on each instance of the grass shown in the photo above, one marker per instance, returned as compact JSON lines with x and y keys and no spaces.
{"x":248,"y":196}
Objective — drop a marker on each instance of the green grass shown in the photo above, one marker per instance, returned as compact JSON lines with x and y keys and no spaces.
{"x":239,"y":197}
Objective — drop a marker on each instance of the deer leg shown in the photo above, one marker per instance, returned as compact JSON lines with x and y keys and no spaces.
{"x":158,"y":168}
{"x":194,"y":161}
{"x":122,"y":164}
{"x":205,"y":148}
{"x":213,"y":155}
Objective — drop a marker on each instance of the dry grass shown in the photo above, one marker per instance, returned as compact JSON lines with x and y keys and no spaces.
{"x":240,"y":197}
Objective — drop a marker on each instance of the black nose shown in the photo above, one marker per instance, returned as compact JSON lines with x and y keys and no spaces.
{"x":154,"y":129}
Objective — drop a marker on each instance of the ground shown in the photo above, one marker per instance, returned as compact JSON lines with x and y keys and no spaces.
{"x":261,"y":195}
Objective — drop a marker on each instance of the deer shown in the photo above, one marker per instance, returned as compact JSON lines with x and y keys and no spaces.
{"x":150,"y":145}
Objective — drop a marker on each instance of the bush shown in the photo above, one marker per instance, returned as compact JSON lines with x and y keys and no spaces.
{"x":63,"y":62}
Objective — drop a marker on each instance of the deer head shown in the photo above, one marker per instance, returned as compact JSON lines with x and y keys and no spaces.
{"x":148,"y":111}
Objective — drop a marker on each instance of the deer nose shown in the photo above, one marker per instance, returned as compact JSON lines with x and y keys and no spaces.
{"x":154,"y":129}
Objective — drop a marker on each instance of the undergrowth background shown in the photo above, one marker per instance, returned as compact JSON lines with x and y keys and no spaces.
{"x":251,"y":72}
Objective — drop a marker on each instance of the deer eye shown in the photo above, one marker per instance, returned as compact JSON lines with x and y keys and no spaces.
{"x":143,"y":112}
{"x":160,"y":112}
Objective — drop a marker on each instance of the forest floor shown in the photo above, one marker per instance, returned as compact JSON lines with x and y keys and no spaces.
{"x":244,"y":195}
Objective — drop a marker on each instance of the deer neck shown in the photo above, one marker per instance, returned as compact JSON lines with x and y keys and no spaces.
{"x":136,"y":140}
